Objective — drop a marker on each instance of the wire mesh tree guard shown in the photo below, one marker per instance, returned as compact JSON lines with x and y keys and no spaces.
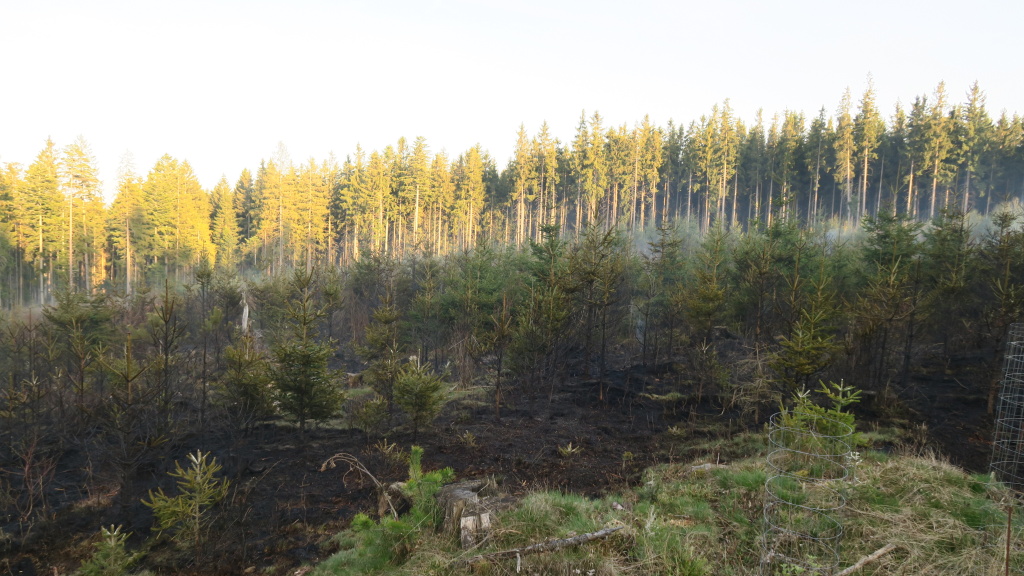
{"x":1008,"y":438}
{"x":808,"y":467}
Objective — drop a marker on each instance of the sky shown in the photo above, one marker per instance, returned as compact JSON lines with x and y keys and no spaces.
{"x":222,"y":84}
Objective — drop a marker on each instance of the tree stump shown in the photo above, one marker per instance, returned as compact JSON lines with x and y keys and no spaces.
{"x":466,"y":514}
{"x":392,"y":501}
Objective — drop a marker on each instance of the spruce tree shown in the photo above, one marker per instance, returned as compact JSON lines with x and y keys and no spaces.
{"x":868,"y":127}
{"x":245,"y":383}
{"x":705,"y":302}
{"x":305,"y":388}
{"x":420,"y":393}
{"x":381,"y":352}
{"x":225,"y":225}
{"x":187,"y":515}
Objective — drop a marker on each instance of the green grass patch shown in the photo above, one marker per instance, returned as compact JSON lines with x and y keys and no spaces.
{"x":697,"y":521}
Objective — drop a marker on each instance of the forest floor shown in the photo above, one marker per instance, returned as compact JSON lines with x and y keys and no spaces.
{"x":587,"y":435}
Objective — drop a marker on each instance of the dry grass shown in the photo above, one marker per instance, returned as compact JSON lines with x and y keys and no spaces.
{"x":942,"y":520}
{"x":687,"y":520}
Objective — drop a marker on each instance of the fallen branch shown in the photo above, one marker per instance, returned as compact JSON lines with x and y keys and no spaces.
{"x":541,"y":547}
{"x":869,"y":558}
{"x":355,"y":464}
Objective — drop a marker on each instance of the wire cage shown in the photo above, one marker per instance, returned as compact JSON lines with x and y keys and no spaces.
{"x":808,"y":467}
{"x":1007,"y":464}
{"x":1008,"y":437}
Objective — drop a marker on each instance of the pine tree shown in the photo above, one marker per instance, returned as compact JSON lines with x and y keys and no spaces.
{"x":110,"y":557}
{"x":83,"y":217}
{"x":13,"y":236}
{"x":128,"y":417}
{"x":727,"y":135}
{"x":844,"y":147}
{"x":868,"y":128}
{"x":1003,"y":264}
{"x":754,"y":168}
{"x":948,"y":267}
{"x":650,"y":158}
{"x":937,"y":144}
{"x":43,"y":207}
{"x":524,"y":184}
{"x":897,"y":149}
{"x":378,"y":197}
{"x":808,"y":344}
{"x":787,"y":151}
{"x":124,"y":222}
{"x":816,"y":147}
{"x":470,"y":195}
{"x":382,"y":351}
{"x":305,"y":388}
{"x":702,"y":150}
{"x":249,"y":208}
{"x":973,"y":141}
{"x":705,"y":302}
{"x":224,"y":234}
{"x":442,"y":211}
{"x":420,"y":393}
{"x":246,"y":383}
{"x":275,"y":186}
{"x":187,"y":514}
{"x":416,"y":191}
{"x":623,"y":181}
{"x":308,"y":216}
{"x":546,"y":152}
{"x":177,"y":219}
{"x":886,"y":309}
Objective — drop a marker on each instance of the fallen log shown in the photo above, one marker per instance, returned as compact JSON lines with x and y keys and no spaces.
{"x":547,"y":546}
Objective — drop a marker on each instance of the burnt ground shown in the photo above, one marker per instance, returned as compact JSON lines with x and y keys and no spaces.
{"x":946,"y":401}
{"x":283,"y":509}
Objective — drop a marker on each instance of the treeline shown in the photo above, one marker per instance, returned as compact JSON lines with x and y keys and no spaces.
{"x":827,"y":170}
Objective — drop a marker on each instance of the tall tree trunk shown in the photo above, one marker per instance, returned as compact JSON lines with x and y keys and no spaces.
{"x":689,"y":197}
{"x":931,"y":208}
{"x":128,"y":257}
{"x":910,"y":192}
{"x":967,"y":193}
{"x":71,"y":245}
{"x":863,"y":188}
{"x":881,"y":177}
{"x":735,"y":193}
{"x":416,"y":218}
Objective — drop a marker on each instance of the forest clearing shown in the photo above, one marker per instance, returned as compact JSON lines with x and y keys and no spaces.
{"x":227,"y":381}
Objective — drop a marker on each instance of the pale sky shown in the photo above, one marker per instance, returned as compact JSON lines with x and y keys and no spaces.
{"x":221,"y":83}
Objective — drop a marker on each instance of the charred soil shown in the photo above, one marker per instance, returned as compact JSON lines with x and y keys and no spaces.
{"x":584,"y":434}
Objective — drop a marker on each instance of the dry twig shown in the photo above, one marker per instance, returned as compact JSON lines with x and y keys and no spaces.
{"x":541,"y":546}
{"x":865,"y":560}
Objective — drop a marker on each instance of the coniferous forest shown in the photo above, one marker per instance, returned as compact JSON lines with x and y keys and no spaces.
{"x":825,"y":171}
{"x":585,"y":311}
